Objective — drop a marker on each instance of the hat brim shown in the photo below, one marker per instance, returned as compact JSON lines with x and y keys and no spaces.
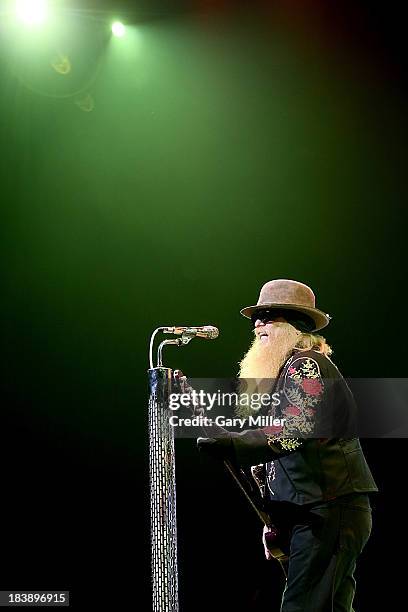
{"x":320,"y":318}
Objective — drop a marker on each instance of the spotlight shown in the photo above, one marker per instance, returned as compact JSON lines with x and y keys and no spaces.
{"x":31,"y":12}
{"x":118,"y":29}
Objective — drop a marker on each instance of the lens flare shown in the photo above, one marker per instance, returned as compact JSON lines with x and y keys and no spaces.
{"x":118,"y":29}
{"x":31,"y":12}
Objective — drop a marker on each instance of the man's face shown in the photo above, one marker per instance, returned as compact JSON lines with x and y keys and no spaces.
{"x":274,"y":341}
{"x":264,"y":326}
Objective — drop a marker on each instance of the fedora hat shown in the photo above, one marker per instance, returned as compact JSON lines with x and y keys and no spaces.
{"x":289,"y":295}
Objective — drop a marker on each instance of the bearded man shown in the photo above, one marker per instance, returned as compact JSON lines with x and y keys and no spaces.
{"x":311,"y":471}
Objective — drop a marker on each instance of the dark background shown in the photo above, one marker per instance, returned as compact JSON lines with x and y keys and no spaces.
{"x":162,"y":180}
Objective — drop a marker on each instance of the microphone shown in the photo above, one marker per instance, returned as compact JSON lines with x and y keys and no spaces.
{"x":205,"y":331}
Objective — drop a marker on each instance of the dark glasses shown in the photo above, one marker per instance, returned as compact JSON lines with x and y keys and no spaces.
{"x":298,"y":320}
{"x":266,"y":315}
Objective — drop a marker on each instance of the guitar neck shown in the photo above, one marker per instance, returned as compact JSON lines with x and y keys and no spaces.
{"x":263,"y":516}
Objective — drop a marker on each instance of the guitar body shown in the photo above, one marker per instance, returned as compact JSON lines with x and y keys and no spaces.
{"x":277,"y":544}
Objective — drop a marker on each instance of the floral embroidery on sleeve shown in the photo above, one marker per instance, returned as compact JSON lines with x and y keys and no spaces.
{"x":303,"y":390}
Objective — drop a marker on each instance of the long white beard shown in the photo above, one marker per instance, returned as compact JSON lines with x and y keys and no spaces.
{"x":264,"y":360}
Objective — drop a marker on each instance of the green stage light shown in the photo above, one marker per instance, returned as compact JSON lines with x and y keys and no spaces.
{"x":118,"y":29}
{"x":31,"y":12}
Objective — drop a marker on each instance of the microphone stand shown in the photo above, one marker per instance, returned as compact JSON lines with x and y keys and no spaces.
{"x":163,"y":520}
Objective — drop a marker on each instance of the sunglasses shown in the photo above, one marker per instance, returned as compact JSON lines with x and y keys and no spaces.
{"x":265,"y":316}
{"x":298,"y":320}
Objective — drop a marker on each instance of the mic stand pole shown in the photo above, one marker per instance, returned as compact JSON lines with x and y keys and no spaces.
{"x":163,"y":521}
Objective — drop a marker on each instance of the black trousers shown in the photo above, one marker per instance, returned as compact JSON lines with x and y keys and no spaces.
{"x":325,"y":541}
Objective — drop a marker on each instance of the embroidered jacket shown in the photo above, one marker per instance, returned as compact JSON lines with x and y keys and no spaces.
{"x":315,"y":456}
